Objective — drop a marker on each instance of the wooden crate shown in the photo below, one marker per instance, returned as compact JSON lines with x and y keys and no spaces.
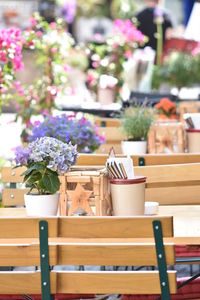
{"x":85,"y":191}
{"x":166,"y":137}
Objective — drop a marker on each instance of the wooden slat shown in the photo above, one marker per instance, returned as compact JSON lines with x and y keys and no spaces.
{"x":112,"y":254}
{"x":24,"y":255}
{"x":12,"y":175}
{"x":167,"y":159}
{"x":113,"y":282}
{"x":107,"y":122}
{"x":25,"y":227}
{"x":23,"y":283}
{"x":170,"y":173}
{"x":174,"y":195}
{"x":111,"y":134}
{"x":13,"y":197}
{"x":150,"y":159}
{"x":107,"y":227}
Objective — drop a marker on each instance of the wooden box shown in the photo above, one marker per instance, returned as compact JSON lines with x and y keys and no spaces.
{"x":85,"y":191}
{"x":166,"y":137}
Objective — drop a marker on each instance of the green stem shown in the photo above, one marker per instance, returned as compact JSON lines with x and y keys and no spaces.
{"x":159,"y":43}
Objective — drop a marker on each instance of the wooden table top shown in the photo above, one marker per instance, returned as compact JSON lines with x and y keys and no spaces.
{"x":186,"y":219}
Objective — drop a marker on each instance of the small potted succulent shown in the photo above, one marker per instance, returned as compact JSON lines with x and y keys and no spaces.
{"x":80,"y":132}
{"x":136,"y":124}
{"x":45,"y":159}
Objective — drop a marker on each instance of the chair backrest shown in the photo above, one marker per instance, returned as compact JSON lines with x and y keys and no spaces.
{"x":143,"y":159}
{"x":108,"y":241}
{"x":172,"y":184}
{"x":13,"y":194}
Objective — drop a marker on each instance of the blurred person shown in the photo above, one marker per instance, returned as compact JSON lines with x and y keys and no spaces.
{"x":147,"y":22}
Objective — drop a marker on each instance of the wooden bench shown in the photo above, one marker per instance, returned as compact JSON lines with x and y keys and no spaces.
{"x":143,"y":159}
{"x":172,"y":184}
{"x":107,"y":241}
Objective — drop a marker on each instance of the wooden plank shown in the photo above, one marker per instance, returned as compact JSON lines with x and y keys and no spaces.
{"x":111,"y":134}
{"x":23,"y":283}
{"x":182,"y":195}
{"x":150,"y":159}
{"x":107,"y":227}
{"x":167,"y":159}
{"x":113,"y":282}
{"x":170,"y":173}
{"x":112,"y":254}
{"x":107,"y":122}
{"x":12,"y":175}
{"x":24,"y":255}
{"x":13,"y":197}
{"x":25,"y":227}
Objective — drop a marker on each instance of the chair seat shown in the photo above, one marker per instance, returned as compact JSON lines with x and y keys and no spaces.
{"x":187,"y":292}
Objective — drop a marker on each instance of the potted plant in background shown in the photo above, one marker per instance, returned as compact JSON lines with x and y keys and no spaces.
{"x":136,"y":124}
{"x":45,"y":159}
{"x":166,"y":110}
{"x":80,"y":132}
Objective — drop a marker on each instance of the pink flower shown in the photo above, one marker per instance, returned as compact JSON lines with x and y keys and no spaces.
{"x":28,"y":123}
{"x":45,"y":112}
{"x":33,"y":21}
{"x":54,"y":50}
{"x":67,"y":68}
{"x":128,"y":54}
{"x":36,"y":123}
{"x":53,"y":24}
{"x":39,"y":33}
{"x":17,"y":84}
{"x":95,"y":64}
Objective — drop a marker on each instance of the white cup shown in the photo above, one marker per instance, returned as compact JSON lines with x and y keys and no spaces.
{"x":151,"y":208}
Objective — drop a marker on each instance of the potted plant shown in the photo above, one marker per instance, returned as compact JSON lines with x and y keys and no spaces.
{"x":45,"y":159}
{"x":136,"y":124}
{"x":80,"y":132}
{"x":166,"y":109}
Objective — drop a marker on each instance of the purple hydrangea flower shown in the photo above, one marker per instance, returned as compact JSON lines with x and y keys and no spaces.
{"x":69,"y":11}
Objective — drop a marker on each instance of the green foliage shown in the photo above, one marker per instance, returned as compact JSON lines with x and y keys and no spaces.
{"x":136,"y":122}
{"x":180,"y":69}
{"x":44,"y":180}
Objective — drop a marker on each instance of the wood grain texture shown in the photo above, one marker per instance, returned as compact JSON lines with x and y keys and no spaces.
{"x":25,"y":227}
{"x":13,"y":197}
{"x":23,"y":283}
{"x":12,"y":175}
{"x":170,"y":173}
{"x":113,"y":282}
{"x":181,"y":195}
{"x":150,"y":159}
{"x":111,"y":227}
{"x":112,"y":254}
{"x":24,"y":255}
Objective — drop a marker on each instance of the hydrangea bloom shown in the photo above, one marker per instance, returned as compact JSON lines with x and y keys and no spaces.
{"x":45,"y":159}
{"x":57,"y":156}
{"x":68,"y":128}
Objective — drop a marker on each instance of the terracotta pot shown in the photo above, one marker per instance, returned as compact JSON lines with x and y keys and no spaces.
{"x":41,"y":205}
{"x":128,"y":196}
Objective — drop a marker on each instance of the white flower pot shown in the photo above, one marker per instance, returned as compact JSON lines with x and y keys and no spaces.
{"x":41,"y":205}
{"x":134,"y":147}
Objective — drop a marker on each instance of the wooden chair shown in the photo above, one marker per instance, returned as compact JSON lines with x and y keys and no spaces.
{"x":143,"y":159}
{"x":172,"y":184}
{"x":94,"y":241}
{"x":13,"y":193}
